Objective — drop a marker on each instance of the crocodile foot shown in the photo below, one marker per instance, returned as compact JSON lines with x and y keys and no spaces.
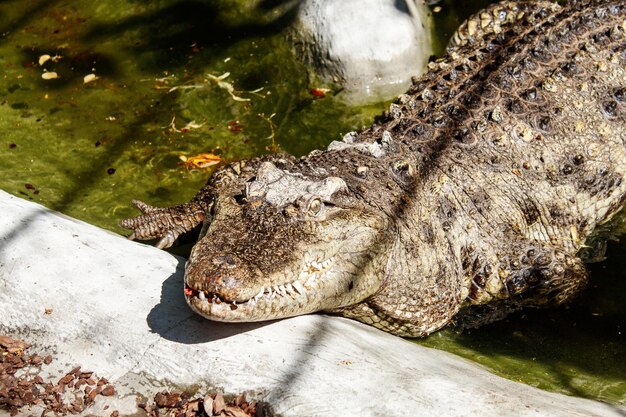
{"x":163,"y":223}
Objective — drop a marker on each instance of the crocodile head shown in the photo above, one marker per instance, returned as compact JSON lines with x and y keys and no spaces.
{"x":285,"y":245}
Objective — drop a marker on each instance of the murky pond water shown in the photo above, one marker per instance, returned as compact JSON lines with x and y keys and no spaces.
{"x":87,"y":148}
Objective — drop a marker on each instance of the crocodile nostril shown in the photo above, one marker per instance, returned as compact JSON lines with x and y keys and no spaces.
{"x":240,"y":199}
{"x":225,"y":260}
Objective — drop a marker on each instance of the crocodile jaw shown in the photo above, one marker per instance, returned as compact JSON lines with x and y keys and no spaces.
{"x":318,"y":286}
{"x":329,"y":265}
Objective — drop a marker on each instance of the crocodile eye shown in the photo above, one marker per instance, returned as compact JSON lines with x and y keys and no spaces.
{"x":315,"y":206}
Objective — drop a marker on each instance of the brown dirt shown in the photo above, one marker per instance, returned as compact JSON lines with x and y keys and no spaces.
{"x":177,"y":404}
{"x":21,"y":387}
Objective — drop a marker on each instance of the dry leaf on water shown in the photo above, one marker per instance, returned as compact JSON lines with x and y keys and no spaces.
{"x":49,"y":75}
{"x":200,"y":161}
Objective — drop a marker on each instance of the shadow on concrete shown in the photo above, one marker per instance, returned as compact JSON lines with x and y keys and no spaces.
{"x":173,"y":320}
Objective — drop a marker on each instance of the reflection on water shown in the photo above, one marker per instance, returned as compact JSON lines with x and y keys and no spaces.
{"x":87,"y":149}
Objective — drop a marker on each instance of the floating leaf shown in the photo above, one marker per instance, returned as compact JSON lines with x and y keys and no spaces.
{"x":43,"y":59}
{"x":185,"y":87}
{"x":200,"y":161}
{"x":219,"y":80}
{"x":189,"y":126}
{"x":234,"y":126}
{"x":320,"y":92}
{"x":89,"y":78}
{"x":219,"y":77}
{"x":274,"y":146}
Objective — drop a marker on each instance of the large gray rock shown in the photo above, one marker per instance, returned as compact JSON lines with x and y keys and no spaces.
{"x":369,"y":47}
{"x":118,"y":310}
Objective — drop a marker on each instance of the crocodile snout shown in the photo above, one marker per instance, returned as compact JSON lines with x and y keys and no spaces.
{"x":222,"y":275}
{"x":226,"y":261}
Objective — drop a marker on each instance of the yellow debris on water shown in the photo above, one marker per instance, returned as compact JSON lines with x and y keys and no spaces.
{"x":200,"y":161}
{"x":89,"y":78}
{"x":49,"y":75}
{"x":43,"y":59}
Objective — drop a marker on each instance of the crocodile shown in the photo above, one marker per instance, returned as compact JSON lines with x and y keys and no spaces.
{"x":481,"y":191}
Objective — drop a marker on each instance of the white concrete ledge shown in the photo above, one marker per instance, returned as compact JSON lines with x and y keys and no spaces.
{"x":118,"y":310}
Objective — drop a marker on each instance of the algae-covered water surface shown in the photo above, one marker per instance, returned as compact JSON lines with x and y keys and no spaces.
{"x":87,"y":148}
{"x":101,"y":102}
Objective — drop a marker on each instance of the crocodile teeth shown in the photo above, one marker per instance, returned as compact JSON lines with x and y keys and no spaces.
{"x":289,"y":289}
{"x":297,"y":285}
{"x":281,"y":290}
{"x":310,"y":278}
{"x":260,"y":294}
{"x":312,"y":281}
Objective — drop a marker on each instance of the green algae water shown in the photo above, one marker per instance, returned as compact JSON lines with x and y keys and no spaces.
{"x":88,"y":148}
{"x":100,"y":102}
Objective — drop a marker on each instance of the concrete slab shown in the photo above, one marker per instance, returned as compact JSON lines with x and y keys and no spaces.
{"x":118,"y":310}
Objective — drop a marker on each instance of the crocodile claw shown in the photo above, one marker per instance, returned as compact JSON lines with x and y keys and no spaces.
{"x":163,"y":223}
{"x":144,"y":207}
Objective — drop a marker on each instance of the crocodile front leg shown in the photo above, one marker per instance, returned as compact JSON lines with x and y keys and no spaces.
{"x":164,"y":223}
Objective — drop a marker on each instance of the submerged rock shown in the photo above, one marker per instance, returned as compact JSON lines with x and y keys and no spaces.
{"x":370,"y":48}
